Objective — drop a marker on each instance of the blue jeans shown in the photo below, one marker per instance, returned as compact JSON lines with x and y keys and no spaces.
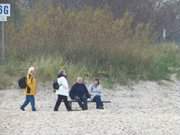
{"x":29,"y":99}
{"x":99,"y":103}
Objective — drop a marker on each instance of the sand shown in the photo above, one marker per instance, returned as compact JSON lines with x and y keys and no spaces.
{"x":145,"y":108}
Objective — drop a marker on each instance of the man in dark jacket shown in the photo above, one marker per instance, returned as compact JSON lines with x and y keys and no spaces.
{"x":80,"y":93}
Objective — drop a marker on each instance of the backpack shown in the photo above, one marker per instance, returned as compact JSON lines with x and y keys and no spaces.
{"x":55,"y":85}
{"x":22,"y":82}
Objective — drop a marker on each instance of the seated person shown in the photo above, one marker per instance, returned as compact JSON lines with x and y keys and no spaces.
{"x":80,"y":93}
{"x":95,"y":92}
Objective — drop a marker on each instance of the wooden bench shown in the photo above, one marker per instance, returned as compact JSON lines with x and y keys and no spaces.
{"x":89,"y":101}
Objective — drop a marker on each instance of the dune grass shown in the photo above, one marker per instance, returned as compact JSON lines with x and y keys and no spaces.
{"x":155,"y":63}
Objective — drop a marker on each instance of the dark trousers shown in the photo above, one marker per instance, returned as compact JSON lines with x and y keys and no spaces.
{"x":29,"y":99}
{"x":59,"y":100}
{"x":99,"y":103}
{"x":82,"y":101}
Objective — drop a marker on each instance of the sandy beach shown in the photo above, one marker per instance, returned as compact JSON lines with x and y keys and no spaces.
{"x":146,"y":108}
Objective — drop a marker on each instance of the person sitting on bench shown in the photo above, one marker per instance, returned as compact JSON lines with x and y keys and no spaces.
{"x":95,"y":92}
{"x":80,"y":93}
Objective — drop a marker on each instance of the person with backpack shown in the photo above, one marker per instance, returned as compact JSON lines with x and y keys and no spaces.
{"x":80,"y":93}
{"x":96,"y":94}
{"x":31,"y":88}
{"x":63,"y":91}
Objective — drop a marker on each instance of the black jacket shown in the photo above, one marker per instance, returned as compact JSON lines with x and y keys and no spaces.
{"x":79,"y":90}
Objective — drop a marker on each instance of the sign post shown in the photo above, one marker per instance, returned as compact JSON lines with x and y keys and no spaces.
{"x":5,"y":10}
{"x":3,"y":43}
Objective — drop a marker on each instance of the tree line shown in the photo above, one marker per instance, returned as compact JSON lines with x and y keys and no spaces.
{"x":159,"y":14}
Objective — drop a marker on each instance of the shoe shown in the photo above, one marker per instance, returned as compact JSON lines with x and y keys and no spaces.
{"x":84,"y":107}
{"x":22,"y":109}
{"x":69,"y":109}
{"x":101,"y":107}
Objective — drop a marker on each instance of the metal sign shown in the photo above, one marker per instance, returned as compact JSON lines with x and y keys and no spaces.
{"x":5,"y":9}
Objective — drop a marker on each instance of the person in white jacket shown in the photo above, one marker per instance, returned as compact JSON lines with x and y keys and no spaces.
{"x":63,"y":91}
{"x":96,"y":94}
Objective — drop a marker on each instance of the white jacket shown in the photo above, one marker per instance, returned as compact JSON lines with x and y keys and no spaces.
{"x":63,"y":87}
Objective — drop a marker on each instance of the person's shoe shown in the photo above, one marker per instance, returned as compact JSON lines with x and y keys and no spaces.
{"x":84,"y":108}
{"x":101,"y":107}
{"x":22,"y":109}
{"x":69,"y":110}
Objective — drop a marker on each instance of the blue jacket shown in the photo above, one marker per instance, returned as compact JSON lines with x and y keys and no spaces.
{"x":79,"y":90}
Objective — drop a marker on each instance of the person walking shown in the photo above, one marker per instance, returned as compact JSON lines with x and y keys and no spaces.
{"x":31,"y":89}
{"x":63,"y":91}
